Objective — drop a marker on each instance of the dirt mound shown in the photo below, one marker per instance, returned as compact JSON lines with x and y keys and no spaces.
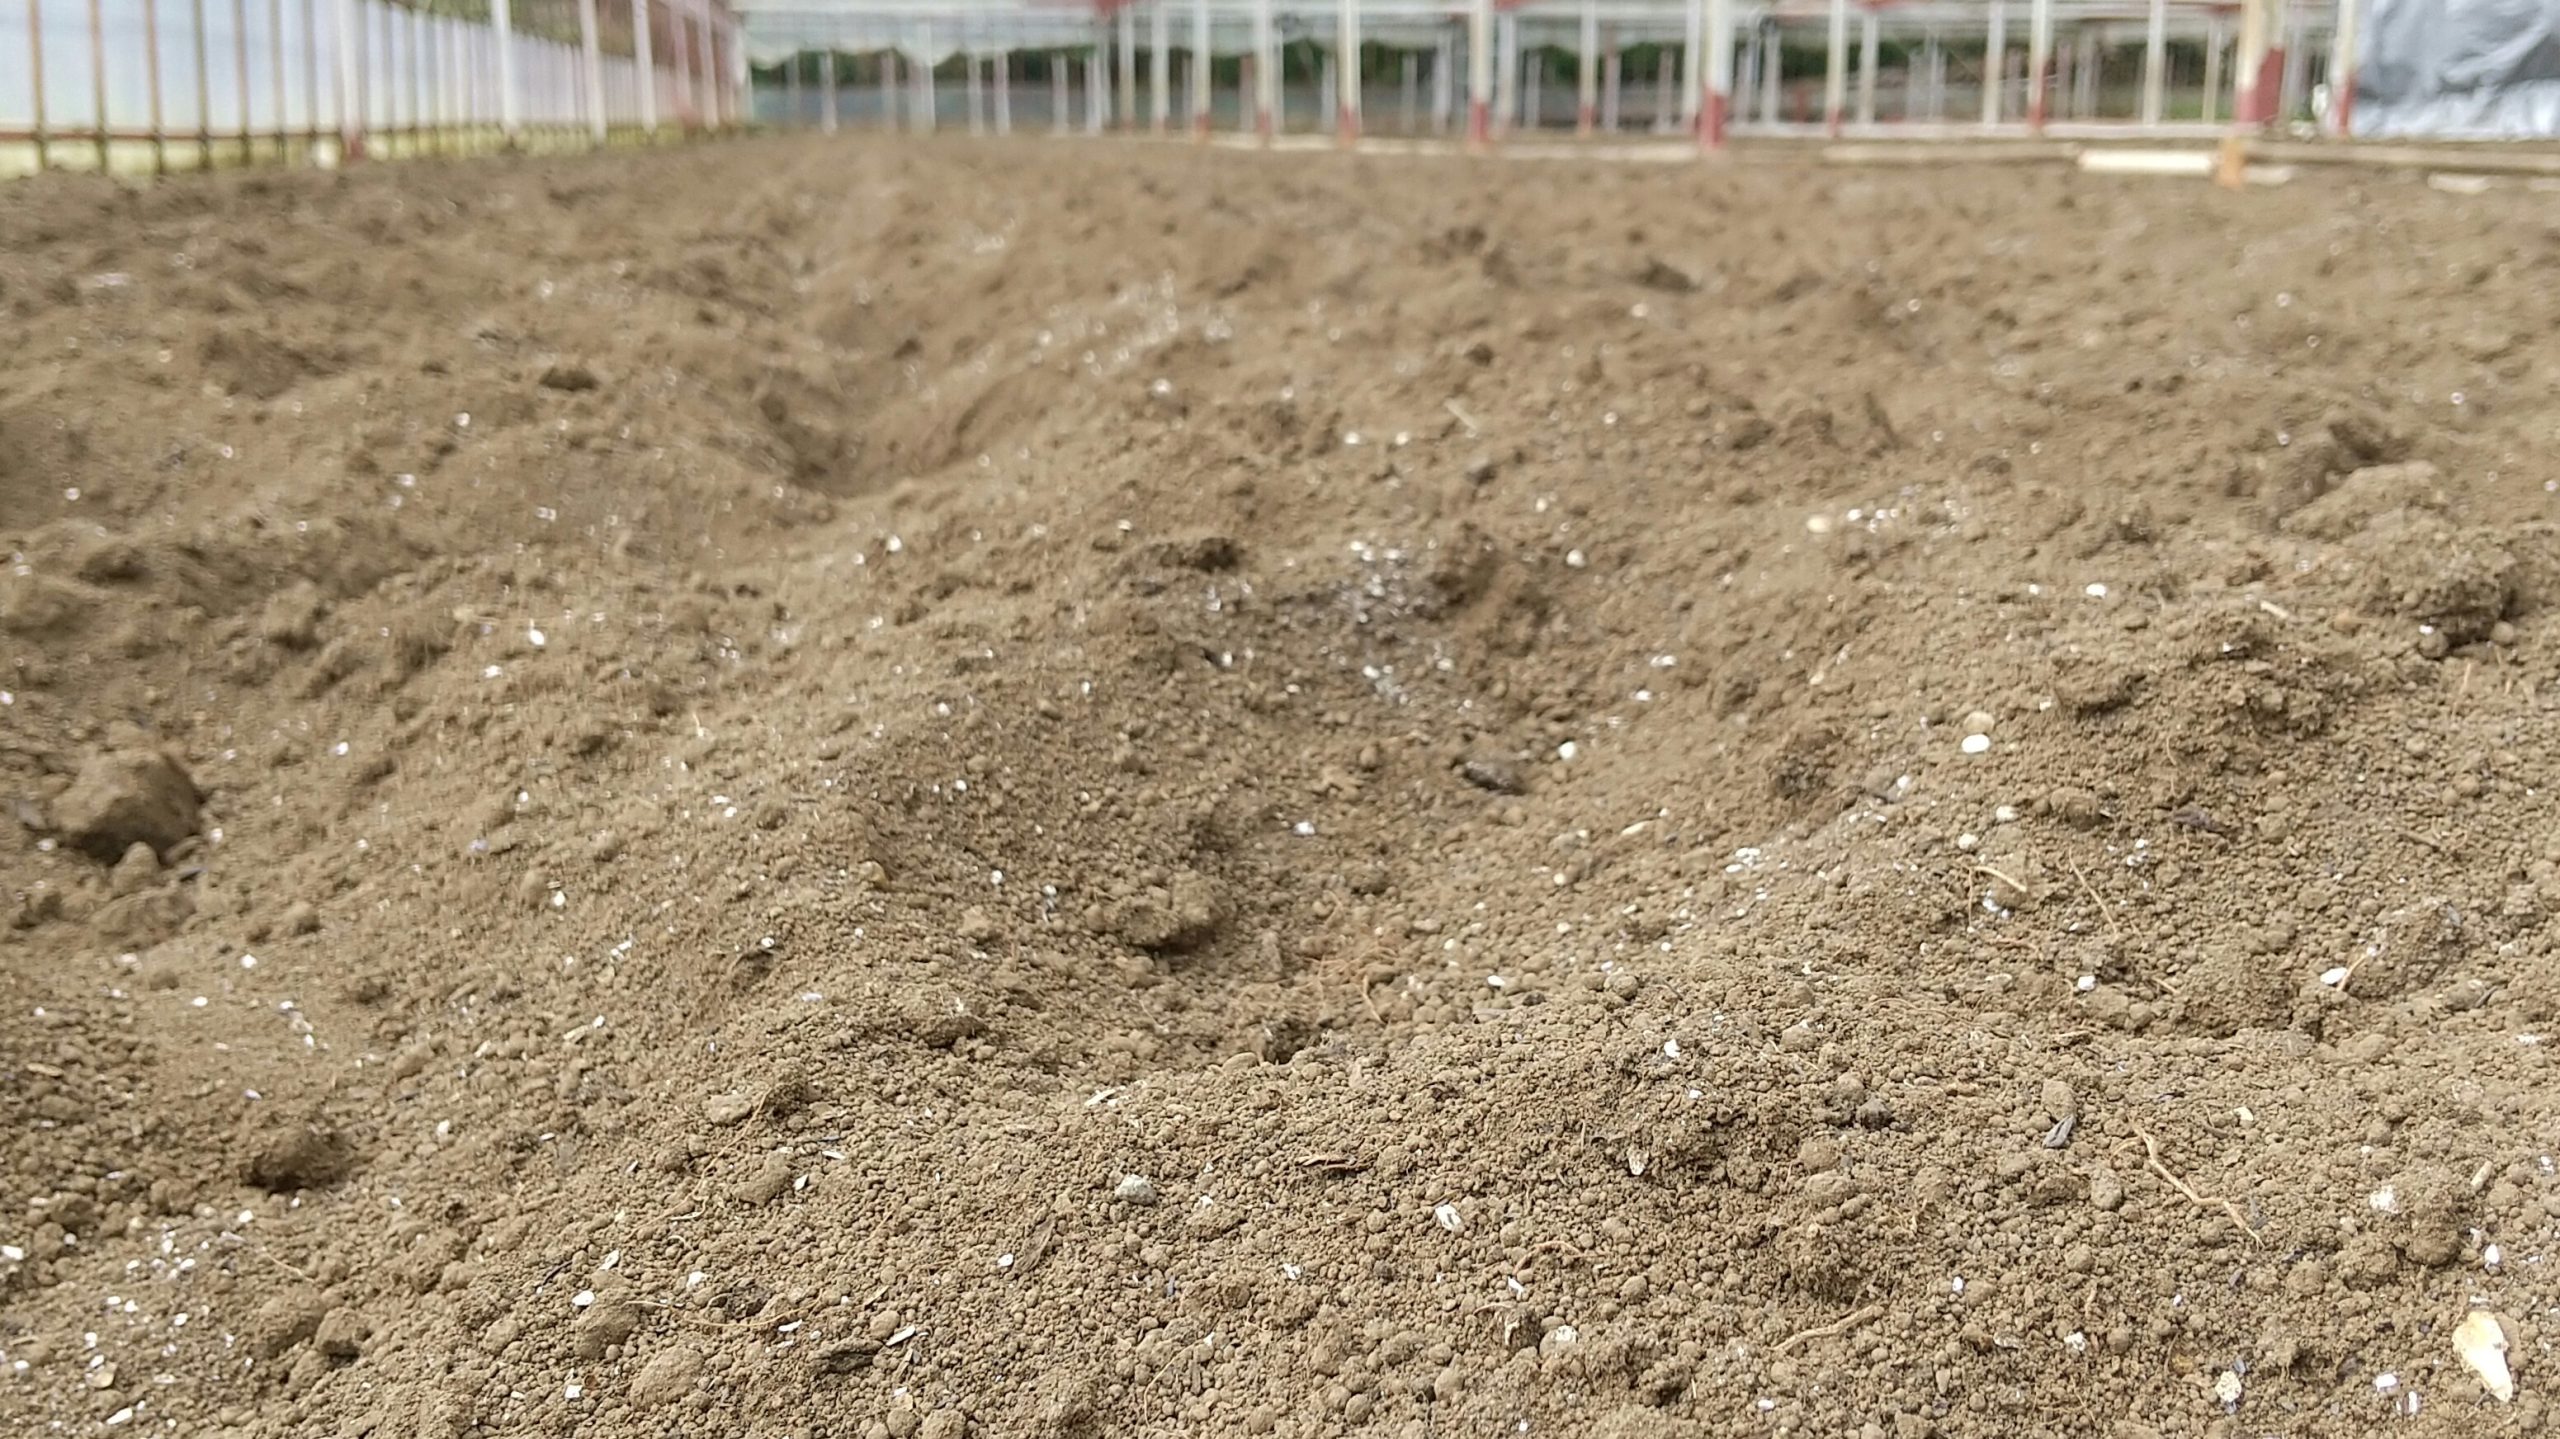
{"x":1031,"y":790}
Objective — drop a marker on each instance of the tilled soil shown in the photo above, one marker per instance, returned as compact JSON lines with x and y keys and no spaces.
{"x":805,"y":788}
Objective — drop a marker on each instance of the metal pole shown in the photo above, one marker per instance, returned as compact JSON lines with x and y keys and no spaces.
{"x":502,"y":27}
{"x":1666,"y":105}
{"x":350,"y":119}
{"x":1716,"y":104}
{"x":1444,"y":82}
{"x":2295,"y":70}
{"x":240,"y":71}
{"x":1409,"y":90}
{"x":35,"y":80}
{"x":1480,"y":74}
{"x":204,"y":94}
{"x":592,"y":86}
{"x":1266,"y":73}
{"x":1773,"y":64}
{"x":1097,"y":86}
{"x":98,"y":78}
{"x":1867,"y":67}
{"x":928,"y":81}
{"x":1586,"y":99}
{"x":151,"y":58}
{"x":1058,"y":92}
{"x":1160,"y":63}
{"x":976,"y":91}
{"x":1835,"y":76}
{"x":645,"y":66}
{"x":2155,"y":62}
{"x":1128,"y":96}
{"x":1612,"y":75}
{"x":1506,"y":81}
{"x":1995,"y":62}
{"x":1201,"y":97}
{"x":2214,"y":40}
{"x":2039,"y":61}
{"x":1002,"y":67}
{"x":1346,"y":74}
{"x":1693,"y":67}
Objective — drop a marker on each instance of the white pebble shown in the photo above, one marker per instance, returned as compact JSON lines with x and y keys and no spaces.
{"x":1449,"y":1217}
{"x":1976,"y":744}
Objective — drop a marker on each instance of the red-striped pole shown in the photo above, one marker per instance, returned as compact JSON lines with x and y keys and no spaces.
{"x":1715,"y":104}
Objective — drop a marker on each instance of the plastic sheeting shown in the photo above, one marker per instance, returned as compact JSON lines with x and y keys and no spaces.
{"x":2459,"y":69}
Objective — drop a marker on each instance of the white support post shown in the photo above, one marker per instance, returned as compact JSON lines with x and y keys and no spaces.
{"x":1835,"y":75}
{"x":2214,"y":41}
{"x":827,"y":97}
{"x":1533,"y":80}
{"x":1057,"y":92}
{"x":1715,"y":106}
{"x":1586,"y":100}
{"x":644,"y":66}
{"x":1097,"y":86}
{"x":1692,"y":63}
{"x":893,"y":102}
{"x":1346,"y":75}
{"x":928,"y":102}
{"x":591,"y":77}
{"x":1409,"y":74}
{"x":1128,"y":67}
{"x":1444,"y":82}
{"x":1202,"y":106}
{"x":502,"y":23}
{"x":1995,"y":62}
{"x":1160,"y":63}
{"x":350,"y":123}
{"x":1506,"y":75}
{"x":2155,"y":63}
{"x":2039,"y":62}
{"x":1666,"y":100}
{"x":1000,"y":70}
{"x":1266,"y":74}
{"x":1773,"y":63}
{"x":976,"y":87}
{"x":1867,"y":28}
{"x":1480,"y":74}
{"x":1612,"y":76}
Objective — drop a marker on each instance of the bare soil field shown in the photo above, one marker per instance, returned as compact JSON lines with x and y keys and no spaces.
{"x":813,"y":788}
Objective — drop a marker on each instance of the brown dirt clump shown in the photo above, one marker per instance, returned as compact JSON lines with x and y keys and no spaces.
{"x":947,"y":789}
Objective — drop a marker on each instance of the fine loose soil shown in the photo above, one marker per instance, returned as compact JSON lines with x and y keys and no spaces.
{"x":802,"y":788}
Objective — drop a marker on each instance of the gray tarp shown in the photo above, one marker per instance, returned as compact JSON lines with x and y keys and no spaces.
{"x":2480,"y":69}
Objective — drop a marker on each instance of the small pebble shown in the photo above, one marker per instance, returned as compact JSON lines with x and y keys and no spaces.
{"x":1134,"y":1189}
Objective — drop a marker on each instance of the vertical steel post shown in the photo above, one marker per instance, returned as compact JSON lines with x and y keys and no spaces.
{"x":502,"y":28}
{"x":1995,"y":61}
{"x":240,"y":71}
{"x":1127,"y":107}
{"x":2039,"y":62}
{"x":2155,"y":62}
{"x":1160,"y":64}
{"x":1835,"y":76}
{"x":1715,"y":105}
{"x":1867,"y":28}
{"x":591,"y":86}
{"x":1266,"y":73}
{"x":644,"y":66}
{"x":1586,"y":98}
{"x":1612,"y":76}
{"x":1202,"y":98}
{"x":151,"y":58}
{"x":1480,"y":74}
{"x":350,"y":118}
{"x":1346,"y":74}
